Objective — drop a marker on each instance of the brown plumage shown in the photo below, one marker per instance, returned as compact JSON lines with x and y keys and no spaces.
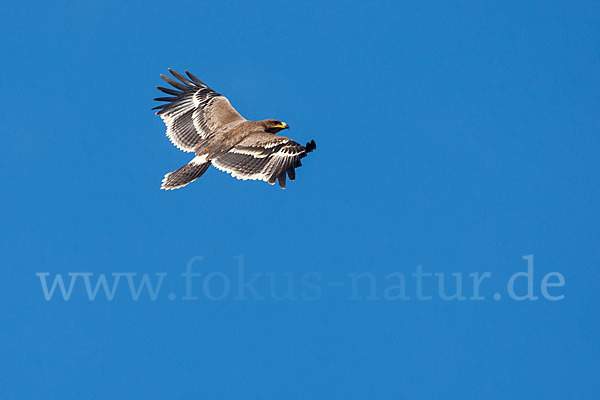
{"x":202,"y":121}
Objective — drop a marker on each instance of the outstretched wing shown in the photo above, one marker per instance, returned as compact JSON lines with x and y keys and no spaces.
{"x":195,"y":112}
{"x":265,"y":157}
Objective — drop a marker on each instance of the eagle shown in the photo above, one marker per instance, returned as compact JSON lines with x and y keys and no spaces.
{"x":202,"y":121}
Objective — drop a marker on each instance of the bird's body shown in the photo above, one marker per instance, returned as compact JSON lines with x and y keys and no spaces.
{"x":202,"y":121}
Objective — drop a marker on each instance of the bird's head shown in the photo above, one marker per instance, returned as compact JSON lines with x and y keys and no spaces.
{"x":274,"y":126}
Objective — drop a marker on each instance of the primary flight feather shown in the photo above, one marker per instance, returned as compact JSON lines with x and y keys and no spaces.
{"x":202,"y":121}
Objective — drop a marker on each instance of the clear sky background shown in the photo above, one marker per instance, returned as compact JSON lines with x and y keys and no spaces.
{"x":460,"y":136}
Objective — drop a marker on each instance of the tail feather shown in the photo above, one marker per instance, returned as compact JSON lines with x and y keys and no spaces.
{"x":186,"y":174}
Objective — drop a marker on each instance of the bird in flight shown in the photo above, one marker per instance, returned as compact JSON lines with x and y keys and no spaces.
{"x":202,"y":121}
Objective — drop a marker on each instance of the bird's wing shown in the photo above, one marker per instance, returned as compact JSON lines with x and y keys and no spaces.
{"x":195,"y":112}
{"x":264,"y":156}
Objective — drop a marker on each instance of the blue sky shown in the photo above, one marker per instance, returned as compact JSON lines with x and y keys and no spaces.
{"x":459,"y":136}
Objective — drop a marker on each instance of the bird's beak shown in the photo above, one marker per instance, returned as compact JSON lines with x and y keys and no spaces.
{"x":283,"y":125}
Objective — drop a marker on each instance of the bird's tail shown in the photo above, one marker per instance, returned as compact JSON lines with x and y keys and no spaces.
{"x":186,"y":174}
